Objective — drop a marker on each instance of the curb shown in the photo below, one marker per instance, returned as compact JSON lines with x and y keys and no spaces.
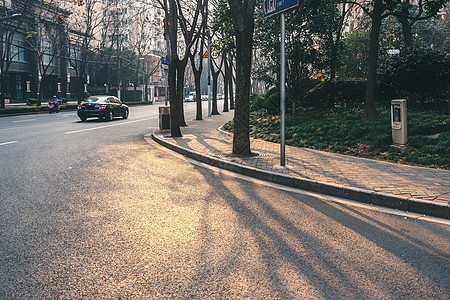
{"x":356,"y":194}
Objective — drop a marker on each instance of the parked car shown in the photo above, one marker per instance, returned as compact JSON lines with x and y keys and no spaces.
{"x":102,"y":107}
{"x":204,"y":97}
{"x":190,"y":97}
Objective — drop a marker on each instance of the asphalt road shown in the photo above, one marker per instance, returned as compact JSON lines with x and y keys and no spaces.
{"x":92,"y":211}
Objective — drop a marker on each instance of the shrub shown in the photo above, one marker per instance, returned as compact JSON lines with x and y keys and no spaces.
{"x":272,"y":101}
{"x":344,"y":130}
{"x":423,"y":72}
{"x":420,"y":141}
{"x":329,"y":94}
{"x":32,"y":101}
{"x":257,"y":102}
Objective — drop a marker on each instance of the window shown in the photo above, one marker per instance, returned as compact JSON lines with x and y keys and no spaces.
{"x":74,"y":58}
{"x":17,"y":46}
{"x":48,"y":56}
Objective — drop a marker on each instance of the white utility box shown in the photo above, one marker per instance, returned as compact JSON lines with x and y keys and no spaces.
{"x":399,"y":122}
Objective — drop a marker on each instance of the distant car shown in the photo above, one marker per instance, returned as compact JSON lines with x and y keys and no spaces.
{"x":102,"y":107}
{"x":204,"y":97}
{"x":190,"y":97}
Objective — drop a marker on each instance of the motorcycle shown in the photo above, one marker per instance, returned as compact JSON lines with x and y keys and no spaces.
{"x":53,"y":106}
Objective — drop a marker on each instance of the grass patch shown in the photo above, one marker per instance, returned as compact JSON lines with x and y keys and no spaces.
{"x":343,"y":130}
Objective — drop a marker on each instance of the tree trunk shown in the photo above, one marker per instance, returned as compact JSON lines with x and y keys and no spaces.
{"x":215,"y":77}
{"x":41,"y":90}
{"x":333,"y":67}
{"x":173,"y":99}
{"x":371,"y":90}
{"x":80,"y":91}
{"x":214,"y":110}
{"x":136,"y":80}
{"x":225,"y":87}
{"x":407,"y":40}
{"x":241,"y":137}
{"x":406,"y":25}
{"x":172,"y":76}
{"x":230,"y":83}
{"x":198,"y":95}
{"x":407,"y":31}
{"x":3,"y":90}
{"x":197,"y":80}
{"x":181,"y":70}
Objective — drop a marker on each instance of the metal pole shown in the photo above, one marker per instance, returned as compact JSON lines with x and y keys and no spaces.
{"x":209,"y":75}
{"x":282,"y":93}
{"x":165,"y":88}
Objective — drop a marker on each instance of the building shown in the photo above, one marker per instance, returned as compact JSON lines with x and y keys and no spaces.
{"x":49,"y":45}
{"x":34,"y":44}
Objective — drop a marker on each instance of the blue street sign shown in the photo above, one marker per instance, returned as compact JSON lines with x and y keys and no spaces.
{"x":273,"y":7}
{"x":164,"y":62}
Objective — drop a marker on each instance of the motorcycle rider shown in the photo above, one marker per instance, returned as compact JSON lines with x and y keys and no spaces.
{"x":53,"y":105}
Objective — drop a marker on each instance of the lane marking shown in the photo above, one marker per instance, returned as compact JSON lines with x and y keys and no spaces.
{"x":22,"y":121}
{"x":8,"y":143}
{"x":34,"y":125}
{"x":110,"y":125}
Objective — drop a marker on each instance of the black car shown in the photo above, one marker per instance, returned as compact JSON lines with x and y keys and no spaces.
{"x":103,"y":107}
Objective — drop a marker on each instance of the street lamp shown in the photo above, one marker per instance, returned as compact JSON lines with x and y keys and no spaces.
{"x":10,"y":17}
{"x":144,"y":92}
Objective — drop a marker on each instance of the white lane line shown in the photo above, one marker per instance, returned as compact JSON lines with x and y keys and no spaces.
{"x":22,"y":121}
{"x":8,"y":143}
{"x":34,"y":125}
{"x":111,"y":125}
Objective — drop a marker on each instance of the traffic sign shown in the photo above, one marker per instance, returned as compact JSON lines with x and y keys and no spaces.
{"x":205,"y":55}
{"x":164,"y":62}
{"x":214,"y":54}
{"x":273,"y":7}
{"x":394,"y":51}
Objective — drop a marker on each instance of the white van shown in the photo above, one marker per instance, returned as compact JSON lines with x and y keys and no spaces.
{"x":190,"y":97}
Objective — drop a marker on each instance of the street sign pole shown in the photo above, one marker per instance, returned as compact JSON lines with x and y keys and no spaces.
{"x":282,"y":92}
{"x":271,"y":8}
{"x":209,"y":75}
{"x":165,"y":66}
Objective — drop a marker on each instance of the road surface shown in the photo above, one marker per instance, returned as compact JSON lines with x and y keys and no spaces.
{"x":90,"y":210}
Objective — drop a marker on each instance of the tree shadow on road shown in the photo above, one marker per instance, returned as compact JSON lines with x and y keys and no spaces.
{"x":303,"y":246}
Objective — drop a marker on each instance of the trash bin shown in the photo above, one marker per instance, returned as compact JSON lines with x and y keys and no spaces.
{"x":164,"y":117}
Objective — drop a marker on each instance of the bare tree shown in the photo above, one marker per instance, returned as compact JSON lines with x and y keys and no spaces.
{"x":45,"y":38}
{"x":215,"y":72}
{"x":83,"y":28}
{"x":377,"y":10}
{"x":139,"y":39}
{"x":196,"y":58}
{"x":190,"y":28}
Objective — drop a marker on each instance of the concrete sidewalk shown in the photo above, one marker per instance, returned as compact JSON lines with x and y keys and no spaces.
{"x":414,"y":189}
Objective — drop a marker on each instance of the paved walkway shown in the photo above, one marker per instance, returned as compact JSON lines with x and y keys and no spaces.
{"x":374,"y":178}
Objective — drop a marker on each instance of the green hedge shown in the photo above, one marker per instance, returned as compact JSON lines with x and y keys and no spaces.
{"x":328,"y":94}
{"x":344,"y":130}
